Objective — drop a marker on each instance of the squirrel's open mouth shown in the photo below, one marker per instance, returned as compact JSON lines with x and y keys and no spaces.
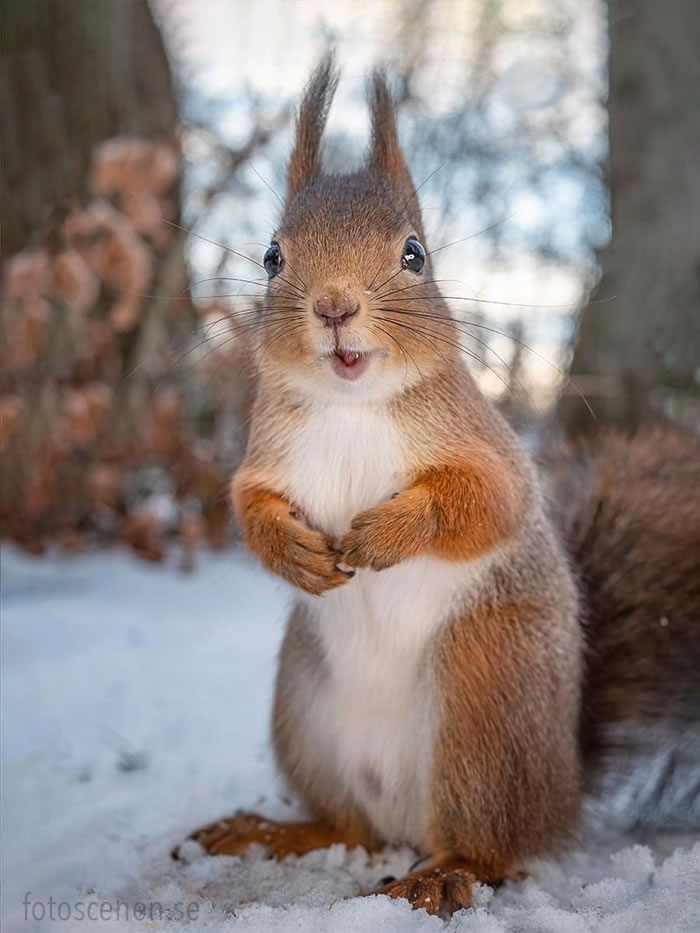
{"x":349,"y":364}
{"x":347,"y":357}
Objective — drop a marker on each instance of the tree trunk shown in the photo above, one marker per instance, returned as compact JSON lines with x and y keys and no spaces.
{"x":90,"y":170}
{"x":74,"y":73}
{"x":639,"y":339}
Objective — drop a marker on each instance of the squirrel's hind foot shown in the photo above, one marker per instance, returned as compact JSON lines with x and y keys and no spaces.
{"x":443,"y":886}
{"x":440,"y":889}
{"x":234,"y":835}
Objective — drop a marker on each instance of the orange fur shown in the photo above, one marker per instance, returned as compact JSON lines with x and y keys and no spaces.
{"x":507,"y":775}
{"x":233,"y":835}
{"x":455,"y":513}
{"x":279,"y":537}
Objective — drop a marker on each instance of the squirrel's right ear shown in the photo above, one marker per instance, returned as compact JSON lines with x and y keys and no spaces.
{"x":385,"y":155}
{"x":305,"y":160}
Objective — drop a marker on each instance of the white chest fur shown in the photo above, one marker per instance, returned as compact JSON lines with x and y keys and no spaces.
{"x":370,"y":717}
{"x":345,"y":459}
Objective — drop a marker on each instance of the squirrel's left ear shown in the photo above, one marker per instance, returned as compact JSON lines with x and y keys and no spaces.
{"x":305,"y":160}
{"x":385,"y":154}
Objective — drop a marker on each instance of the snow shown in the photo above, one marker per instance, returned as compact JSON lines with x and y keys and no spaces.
{"x":134,"y":708}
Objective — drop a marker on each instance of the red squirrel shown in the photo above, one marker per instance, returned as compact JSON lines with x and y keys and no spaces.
{"x":473,"y":637}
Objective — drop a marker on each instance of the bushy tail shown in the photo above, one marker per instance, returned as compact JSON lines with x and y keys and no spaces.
{"x":629,"y":512}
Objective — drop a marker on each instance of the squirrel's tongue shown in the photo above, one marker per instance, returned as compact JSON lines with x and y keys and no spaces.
{"x":347,"y":356}
{"x":349,"y":365}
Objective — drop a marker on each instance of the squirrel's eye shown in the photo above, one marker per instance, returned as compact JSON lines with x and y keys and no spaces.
{"x":413,"y":256}
{"x":273,"y":260}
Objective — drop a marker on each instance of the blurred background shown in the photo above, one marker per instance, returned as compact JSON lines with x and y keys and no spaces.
{"x":556,"y":143}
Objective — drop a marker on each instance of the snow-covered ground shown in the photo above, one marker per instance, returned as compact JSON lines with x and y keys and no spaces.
{"x":134,"y":708}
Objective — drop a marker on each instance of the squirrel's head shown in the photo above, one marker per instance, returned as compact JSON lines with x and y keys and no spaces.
{"x":348,"y":265}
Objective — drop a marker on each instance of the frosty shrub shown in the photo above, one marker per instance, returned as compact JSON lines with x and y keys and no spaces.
{"x":111,"y":429}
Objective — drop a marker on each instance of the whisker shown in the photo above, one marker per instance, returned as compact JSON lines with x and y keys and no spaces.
{"x":236,"y":253}
{"x":386,"y":281}
{"x":184,"y":356}
{"x":258,"y":313}
{"x":295,"y":326}
{"x":404,"y":351}
{"x":262,"y":296}
{"x":426,"y":332}
{"x":302,"y":283}
{"x":437,"y":349}
{"x":274,"y":285}
{"x":224,"y":278}
{"x":234,"y":332}
{"x":199,"y":236}
{"x":423,"y":183}
{"x":505,"y":304}
{"x":567,"y":380}
{"x":182,"y":296}
{"x":266,"y":183}
{"x":406,"y":288}
{"x":219,"y":346}
{"x":452,"y":321}
{"x":472,"y":235}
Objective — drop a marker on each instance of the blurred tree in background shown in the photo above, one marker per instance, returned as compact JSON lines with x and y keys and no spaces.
{"x":637,"y":353}
{"x":74,"y":73}
{"x":102,"y":433}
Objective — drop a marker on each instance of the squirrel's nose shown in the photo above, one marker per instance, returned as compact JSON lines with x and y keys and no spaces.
{"x":334,"y":312}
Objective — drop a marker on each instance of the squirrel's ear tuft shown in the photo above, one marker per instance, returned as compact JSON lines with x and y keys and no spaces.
{"x":385,"y":154}
{"x":305,"y":160}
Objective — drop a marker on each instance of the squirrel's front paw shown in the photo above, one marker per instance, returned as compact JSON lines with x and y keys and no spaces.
{"x":286,"y":545}
{"x":309,"y":560}
{"x":386,"y":534}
